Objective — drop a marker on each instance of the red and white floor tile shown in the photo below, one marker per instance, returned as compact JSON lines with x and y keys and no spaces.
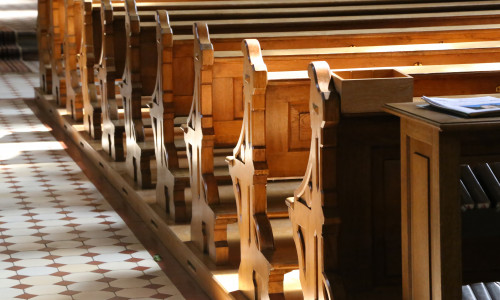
{"x":18,"y":85}
{"x":59,"y":238}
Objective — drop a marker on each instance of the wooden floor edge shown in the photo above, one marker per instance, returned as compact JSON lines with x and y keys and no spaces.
{"x":192,"y":262}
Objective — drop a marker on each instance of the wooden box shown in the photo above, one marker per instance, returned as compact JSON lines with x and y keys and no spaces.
{"x":366,"y":91}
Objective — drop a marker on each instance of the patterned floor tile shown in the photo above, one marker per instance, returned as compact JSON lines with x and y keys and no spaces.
{"x":48,"y":289}
{"x":59,"y":238}
{"x":55,"y":243}
{"x":52,"y":297}
{"x":40,"y":280}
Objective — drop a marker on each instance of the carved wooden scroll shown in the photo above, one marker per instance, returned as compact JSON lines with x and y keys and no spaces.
{"x":313,"y":210}
{"x":88,"y":58}
{"x":170,"y":184}
{"x":209,"y":218}
{"x":72,"y":43}
{"x":109,"y":70}
{"x":56,"y":34}
{"x":43,"y":38}
{"x":139,"y":78}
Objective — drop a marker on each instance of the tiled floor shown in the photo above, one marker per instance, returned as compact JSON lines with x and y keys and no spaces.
{"x":59,"y":238}
{"x":18,"y":85}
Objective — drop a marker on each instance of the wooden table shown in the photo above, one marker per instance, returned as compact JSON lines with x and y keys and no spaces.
{"x":433,"y":145}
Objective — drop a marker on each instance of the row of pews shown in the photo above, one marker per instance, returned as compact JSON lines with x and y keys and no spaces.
{"x":267,"y":115}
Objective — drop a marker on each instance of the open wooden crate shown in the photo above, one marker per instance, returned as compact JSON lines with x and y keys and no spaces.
{"x":365,"y":91}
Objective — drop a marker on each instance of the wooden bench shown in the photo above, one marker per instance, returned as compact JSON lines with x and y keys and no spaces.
{"x":77,"y":100}
{"x":331,"y":210}
{"x":71,"y":76}
{"x":177,"y":90}
{"x":265,"y":136}
{"x":218,"y":77}
{"x":92,"y":50}
{"x":113,"y":128}
{"x":137,"y":81}
{"x":90,"y":110}
{"x":327,"y":213}
{"x":139,"y":78}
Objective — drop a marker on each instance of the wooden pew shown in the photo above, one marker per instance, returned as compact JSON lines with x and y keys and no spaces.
{"x":264,"y":137}
{"x":217,"y":77}
{"x":139,"y":78}
{"x":109,"y":140}
{"x":71,"y":76}
{"x":90,"y":110}
{"x":337,"y":190}
{"x":137,"y":81}
{"x":326,"y":213}
{"x":77,"y":99}
{"x":314,"y":209}
{"x":90,"y":101}
{"x":177,"y":90}
{"x":45,"y":11}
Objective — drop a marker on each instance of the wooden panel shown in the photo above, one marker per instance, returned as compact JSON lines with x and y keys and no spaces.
{"x":119,"y":43}
{"x":228,"y":67}
{"x":286,"y":108}
{"x":149,"y":62}
{"x":367,"y":156}
{"x":222,"y":95}
{"x":461,"y":84}
{"x":300,"y":127}
{"x":227,"y":133}
{"x":184,"y":76}
{"x":239,"y":105}
{"x":386,"y":207}
{"x":277,"y":117}
{"x":182,"y":104}
{"x":419,"y":220}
